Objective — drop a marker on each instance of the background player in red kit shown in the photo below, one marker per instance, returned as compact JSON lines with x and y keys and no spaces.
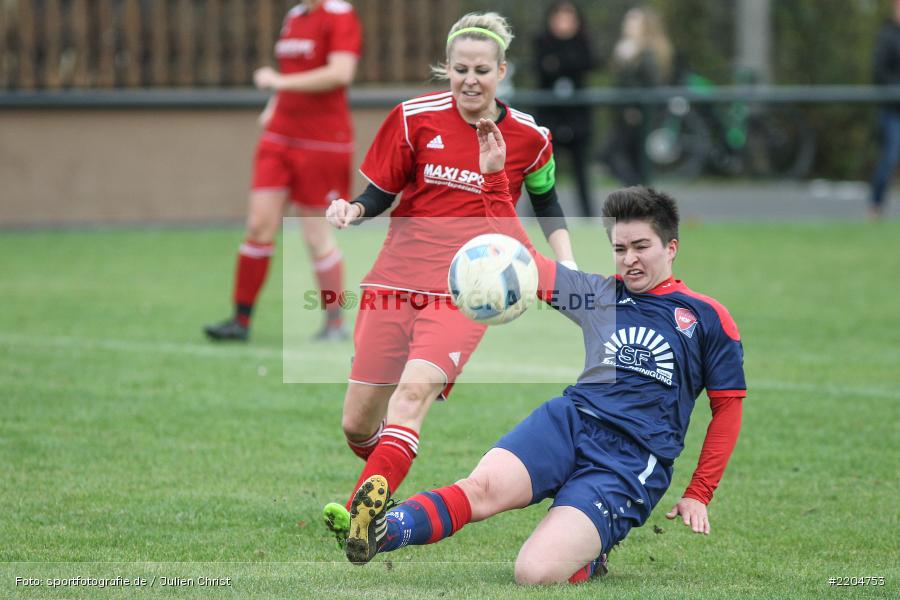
{"x":304,"y":155}
{"x":409,"y":353}
{"x":604,"y":449}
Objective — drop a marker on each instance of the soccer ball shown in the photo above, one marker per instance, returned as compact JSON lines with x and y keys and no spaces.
{"x":493,"y":279}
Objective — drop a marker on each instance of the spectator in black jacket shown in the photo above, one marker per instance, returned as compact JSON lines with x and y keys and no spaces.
{"x":887,"y":72}
{"x":564,"y":57}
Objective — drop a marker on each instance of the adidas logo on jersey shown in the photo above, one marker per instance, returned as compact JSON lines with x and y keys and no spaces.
{"x":454,"y":356}
{"x":437,"y":143}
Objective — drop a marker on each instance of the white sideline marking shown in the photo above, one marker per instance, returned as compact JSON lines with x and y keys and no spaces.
{"x":204,"y":350}
{"x":211,"y":350}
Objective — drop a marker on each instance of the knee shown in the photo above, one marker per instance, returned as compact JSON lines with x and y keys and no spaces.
{"x":319,"y":243}
{"x":260,"y":230}
{"x":477,"y":490}
{"x":357,"y":428}
{"x":318,"y":235}
{"x":363,"y":412}
{"x":530,"y":572}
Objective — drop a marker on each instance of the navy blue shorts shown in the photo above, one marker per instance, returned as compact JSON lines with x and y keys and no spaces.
{"x":577,"y":461}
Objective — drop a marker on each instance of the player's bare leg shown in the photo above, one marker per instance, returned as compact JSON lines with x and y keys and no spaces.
{"x":562,"y":543}
{"x":499,"y":482}
{"x":365,"y":407}
{"x":328,"y":266}
{"x":264,"y":214}
{"x":420,"y":384}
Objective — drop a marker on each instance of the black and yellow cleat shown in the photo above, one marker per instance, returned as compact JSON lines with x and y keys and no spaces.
{"x":367,"y":520}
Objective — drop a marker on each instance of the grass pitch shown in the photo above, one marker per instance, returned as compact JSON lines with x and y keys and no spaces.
{"x":133,"y":448}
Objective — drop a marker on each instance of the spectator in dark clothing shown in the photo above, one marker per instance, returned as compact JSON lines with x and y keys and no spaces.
{"x":887,"y":72}
{"x":564,"y":57}
{"x":643,"y":57}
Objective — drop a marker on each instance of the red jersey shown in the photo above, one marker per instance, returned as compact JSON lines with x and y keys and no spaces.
{"x":426,"y":150}
{"x":321,"y":120}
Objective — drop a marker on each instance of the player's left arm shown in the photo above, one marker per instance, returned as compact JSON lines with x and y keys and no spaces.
{"x":721,"y":438}
{"x":338,"y":72}
{"x":723,"y":374}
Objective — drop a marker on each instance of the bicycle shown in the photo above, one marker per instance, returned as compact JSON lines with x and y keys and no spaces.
{"x":732,"y":139}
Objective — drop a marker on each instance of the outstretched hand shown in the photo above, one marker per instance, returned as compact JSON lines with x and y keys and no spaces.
{"x":491,"y":147}
{"x":693,"y":513}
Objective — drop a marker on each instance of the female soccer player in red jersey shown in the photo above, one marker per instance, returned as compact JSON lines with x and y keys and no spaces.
{"x":411,"y":344}
{"x":303,"y":156}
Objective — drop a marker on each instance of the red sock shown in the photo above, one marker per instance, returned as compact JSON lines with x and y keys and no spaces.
{"x":330,"y":277}
{"x":391,"y":458}
{"x":252,"y":266}
{"x":458,"y":506}
{"x":365,"y":448}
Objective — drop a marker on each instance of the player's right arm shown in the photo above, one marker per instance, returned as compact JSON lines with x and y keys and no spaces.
{"x":388,"y":165}
{"x":337,"y":73}
{"x":343,"y":44}
{"x":371,"y":203}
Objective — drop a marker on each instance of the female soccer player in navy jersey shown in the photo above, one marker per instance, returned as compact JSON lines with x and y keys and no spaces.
{"x":411,"y":345}
{"x":303,"y":156}
{"x":605,"y":448}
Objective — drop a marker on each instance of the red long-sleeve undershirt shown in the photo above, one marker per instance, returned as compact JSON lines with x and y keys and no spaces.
{"x":721,"y":437}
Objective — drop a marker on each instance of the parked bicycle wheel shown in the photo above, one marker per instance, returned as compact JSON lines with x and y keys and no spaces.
{"x":677,"y":142}
{"x":780,"y":143}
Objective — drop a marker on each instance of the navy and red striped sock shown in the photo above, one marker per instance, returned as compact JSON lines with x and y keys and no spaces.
{"x":427,"y":518}
{"x":595,"y":567}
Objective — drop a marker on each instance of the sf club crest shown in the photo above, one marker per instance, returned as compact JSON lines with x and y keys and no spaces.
{"x":686,"y":321}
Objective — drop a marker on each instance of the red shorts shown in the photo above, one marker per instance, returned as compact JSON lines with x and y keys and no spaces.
{"x":394,"y":327}
{"x":311,"y":177}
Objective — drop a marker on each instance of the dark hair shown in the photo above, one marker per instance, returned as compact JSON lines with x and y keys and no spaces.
{"x":640,"y":203}
{"x":560,"y":5}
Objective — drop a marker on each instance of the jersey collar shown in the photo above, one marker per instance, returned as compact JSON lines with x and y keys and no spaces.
{"x":500,"y":117}
{"x":667,"y":287}
{"x":664,"y":287}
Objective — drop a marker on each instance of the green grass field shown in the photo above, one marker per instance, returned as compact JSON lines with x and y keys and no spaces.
{"x":131,"y":447}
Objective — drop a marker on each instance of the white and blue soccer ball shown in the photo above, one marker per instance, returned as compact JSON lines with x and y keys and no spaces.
{"x":493,"y":279}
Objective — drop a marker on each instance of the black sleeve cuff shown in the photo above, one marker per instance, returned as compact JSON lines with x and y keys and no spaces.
{"x":548,"y":211}
{"x":374,"y":201}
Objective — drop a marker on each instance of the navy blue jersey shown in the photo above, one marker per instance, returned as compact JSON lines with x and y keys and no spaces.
{"x":648,"y":356}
